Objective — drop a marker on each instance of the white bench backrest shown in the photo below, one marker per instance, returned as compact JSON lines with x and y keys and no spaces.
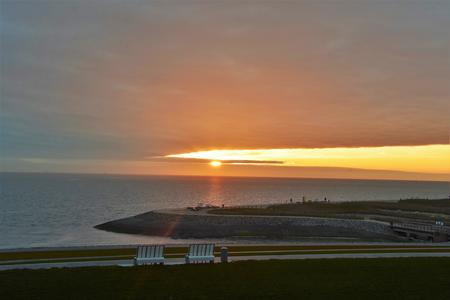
{"x":150,"y":251}
{"x":201,"y":250}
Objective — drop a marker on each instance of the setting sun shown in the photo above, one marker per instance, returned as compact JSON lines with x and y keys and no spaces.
{"x":215,"y":163}
{"x":428,"y":158}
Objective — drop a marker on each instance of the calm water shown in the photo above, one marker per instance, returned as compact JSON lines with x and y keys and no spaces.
{"x":60,"y":210}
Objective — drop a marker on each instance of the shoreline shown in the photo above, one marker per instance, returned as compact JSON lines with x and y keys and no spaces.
{"x":370,"y":221}
{"x":181,"y":223}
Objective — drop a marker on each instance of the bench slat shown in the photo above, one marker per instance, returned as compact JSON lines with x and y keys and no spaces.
{"x":200,"y":253}
{"x":149,"y":254}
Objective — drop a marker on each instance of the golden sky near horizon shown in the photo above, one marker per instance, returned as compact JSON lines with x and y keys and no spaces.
{"x":427,"y":159}
{"x":296,"y":88}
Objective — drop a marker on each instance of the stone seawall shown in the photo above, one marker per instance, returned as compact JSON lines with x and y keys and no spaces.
{"x":267,"y":227}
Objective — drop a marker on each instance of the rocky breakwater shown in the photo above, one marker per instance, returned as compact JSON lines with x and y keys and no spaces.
{"x":188,"y":225}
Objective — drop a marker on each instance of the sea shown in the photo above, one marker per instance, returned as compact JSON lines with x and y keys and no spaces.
{"x":61,"y":210}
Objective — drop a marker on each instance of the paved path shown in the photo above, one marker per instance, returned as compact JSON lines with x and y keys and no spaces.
{"x":341,"y":255}
{"x":178,"y":261}
{"x":205,"y":212}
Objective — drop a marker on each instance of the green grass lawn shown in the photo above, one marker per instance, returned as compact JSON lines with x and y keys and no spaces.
{"x":237,"y":253}
{"x":128,"y":253}
{"x":405,"y":278}
{"x":389,"y":209}
{"x":124,"y":252}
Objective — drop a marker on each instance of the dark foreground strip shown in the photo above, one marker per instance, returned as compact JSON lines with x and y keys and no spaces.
{"x":394,"y":278}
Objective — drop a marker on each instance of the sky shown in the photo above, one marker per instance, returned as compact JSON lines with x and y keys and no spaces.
{"x":346,"y":89}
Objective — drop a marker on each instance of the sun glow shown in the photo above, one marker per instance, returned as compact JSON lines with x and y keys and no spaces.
{"x":215,"y":163}
{"x":428,"y":158}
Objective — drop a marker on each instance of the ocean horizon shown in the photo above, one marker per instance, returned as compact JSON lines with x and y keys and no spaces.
{"x":60,"y":209}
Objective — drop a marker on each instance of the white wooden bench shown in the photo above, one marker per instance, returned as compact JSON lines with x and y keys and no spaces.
{"x":149,"y":254}
{"x":200,"y":253}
